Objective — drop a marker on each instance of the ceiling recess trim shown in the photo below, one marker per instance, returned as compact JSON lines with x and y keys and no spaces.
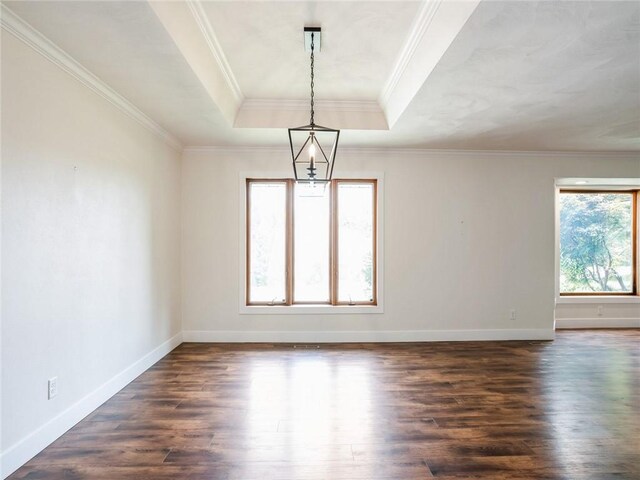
{"x":419,"y":28}
{"x":342,"y":114}
{"x":216,"y":50}
{"x":288,"y":104}
{"x":24,"y":32}
{"x":432,"y":33}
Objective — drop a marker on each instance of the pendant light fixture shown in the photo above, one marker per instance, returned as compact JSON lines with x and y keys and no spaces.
{"x":313,"y":147}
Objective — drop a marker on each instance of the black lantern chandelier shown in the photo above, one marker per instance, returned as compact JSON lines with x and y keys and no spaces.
{"x":313,"y":147}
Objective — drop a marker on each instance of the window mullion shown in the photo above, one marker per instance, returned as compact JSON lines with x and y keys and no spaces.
{"x":333,"y":254}
{"x":634,"y":240}
{"x":290,"y":246}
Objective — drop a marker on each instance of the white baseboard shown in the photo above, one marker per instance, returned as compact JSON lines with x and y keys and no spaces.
{"x":597,"y":322}
{"x":21,"y":452}
{"x":227,"y":336}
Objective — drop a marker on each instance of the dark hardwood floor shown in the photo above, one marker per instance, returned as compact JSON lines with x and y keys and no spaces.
{"x":568,"y":409}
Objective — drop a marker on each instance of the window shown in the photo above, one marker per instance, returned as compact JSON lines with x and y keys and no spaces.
{"x":598,"y":242}
{"x":311,"y":245}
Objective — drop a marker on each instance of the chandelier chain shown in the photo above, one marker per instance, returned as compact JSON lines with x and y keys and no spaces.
{"x":312,"y":93}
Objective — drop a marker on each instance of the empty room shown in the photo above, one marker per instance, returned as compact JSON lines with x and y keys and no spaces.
{"x":320,"y":240}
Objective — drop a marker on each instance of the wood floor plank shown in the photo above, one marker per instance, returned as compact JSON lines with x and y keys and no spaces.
{"x":562,"y":410}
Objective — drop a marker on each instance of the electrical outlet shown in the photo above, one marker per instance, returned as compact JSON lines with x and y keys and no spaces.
{"x":512,"y":315}
{"x":599,"y":310}
{"x":53,"y":387}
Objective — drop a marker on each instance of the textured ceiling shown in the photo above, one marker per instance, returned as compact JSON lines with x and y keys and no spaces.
{"x":536,"y":75}
{"x":124,"y":44}
{"x":517,"y":76}
{"x":264,"y":47}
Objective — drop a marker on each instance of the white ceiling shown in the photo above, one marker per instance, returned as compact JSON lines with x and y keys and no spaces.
{"x":124,"y":44}
{"x":479,"y":75}
{"x":537,"y":75}
{"x":263,"y":43}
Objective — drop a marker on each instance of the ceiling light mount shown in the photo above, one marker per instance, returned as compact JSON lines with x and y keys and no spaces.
{"x":310,"y":158}
{"x":317,"y":38}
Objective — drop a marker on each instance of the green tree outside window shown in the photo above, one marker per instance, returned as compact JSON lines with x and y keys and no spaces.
{"x":596,"y":249}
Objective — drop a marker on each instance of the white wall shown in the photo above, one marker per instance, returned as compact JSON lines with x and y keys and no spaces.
{"x":468,"y":237}
{"x":90,"y":252}
{"x":598,"y":313}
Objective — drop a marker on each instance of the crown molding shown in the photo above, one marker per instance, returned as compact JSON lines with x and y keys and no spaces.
{"x":418,"y":29}
{"x":24,"y":32}
{"x":197,"y":10}
{"x":551,"y":154}
{"x":418,"y":151}
{"x":435,"y":28}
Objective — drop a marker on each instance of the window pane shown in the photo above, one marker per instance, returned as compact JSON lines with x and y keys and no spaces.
{"x":267,"y":241}
{"x":311,"y":243}
{"x":596,"y":251}
{"x":355,"y":242}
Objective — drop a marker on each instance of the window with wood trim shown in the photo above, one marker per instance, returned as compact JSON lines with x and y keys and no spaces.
{"x":598,"y":242}
{"x":311,"y":244}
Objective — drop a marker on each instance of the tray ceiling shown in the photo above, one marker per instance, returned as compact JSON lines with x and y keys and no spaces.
{"x":434,"y":74}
